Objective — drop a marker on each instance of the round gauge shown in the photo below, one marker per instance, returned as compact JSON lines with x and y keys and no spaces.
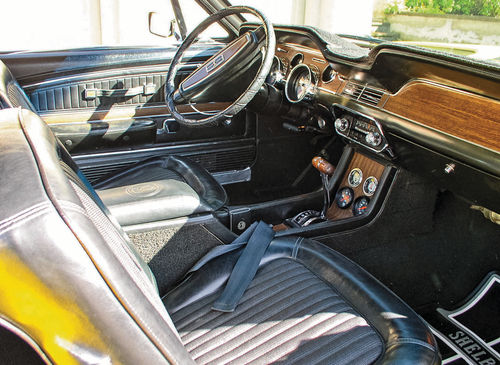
{"x":370,"y":185}
{"x":298,"y":58}
{"x":360,"y":205}
{"x":344,"y":197}
{"x":355,"y":177}
{"x":276,"y":73}
{"x":299,"y":83}
{"x":328,"y":74}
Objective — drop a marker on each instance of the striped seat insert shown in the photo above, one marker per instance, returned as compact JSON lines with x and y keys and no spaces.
{"x":287,"y":315}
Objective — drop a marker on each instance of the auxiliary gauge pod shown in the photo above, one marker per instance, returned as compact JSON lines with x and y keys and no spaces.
{"x":307,"y":217}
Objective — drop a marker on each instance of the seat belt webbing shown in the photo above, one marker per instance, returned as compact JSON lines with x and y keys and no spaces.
{"x":246,"y":267}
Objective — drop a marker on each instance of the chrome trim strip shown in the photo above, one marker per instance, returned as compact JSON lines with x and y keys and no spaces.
{"x":163,"y":148}
{"x":327,"y":90}
{"x":110,"y":73}
{"x":168,"y":223}
{"x":233,"y":176}
{"x":318,"y":60}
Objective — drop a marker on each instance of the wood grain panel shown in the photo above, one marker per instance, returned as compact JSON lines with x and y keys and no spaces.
{"x":312,"y":57}
{"x":123,"y":112}
{"x":369,"y":168}
{"x":461,"y":114}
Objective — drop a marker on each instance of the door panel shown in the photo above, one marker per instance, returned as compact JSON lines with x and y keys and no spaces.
{"x":105,"y":133}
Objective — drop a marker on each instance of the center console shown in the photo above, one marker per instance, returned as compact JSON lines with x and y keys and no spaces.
{"x":355,"y":189}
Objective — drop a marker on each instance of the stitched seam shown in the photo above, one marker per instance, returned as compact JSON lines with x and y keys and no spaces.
{"x":411,"y":341}
{"x":7,"y":226}
{"x":23,"y":213}
{"x":296,"y":247}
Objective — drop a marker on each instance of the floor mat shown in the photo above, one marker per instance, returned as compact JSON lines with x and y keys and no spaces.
{"x":470,"y":334}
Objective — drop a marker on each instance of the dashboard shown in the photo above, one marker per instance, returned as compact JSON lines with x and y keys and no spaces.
{"x":438,"y":117}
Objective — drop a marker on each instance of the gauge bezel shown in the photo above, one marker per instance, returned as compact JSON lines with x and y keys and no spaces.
{"x":356,"y":201}
{"x":297,"y":60}
{"x":364,"y":185}
{"x":331,"y":74}
{"x":280,"y":77}
{"x":338,"y":195}
{"x":360,"y":179}
{"x":290,"y":82}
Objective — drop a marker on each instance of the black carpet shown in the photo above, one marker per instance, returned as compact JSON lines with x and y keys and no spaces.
{"x":427,"y":246}
{"x":171,"y":252}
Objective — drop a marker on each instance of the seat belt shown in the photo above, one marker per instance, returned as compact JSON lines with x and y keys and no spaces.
{"x":217,"y":251}
{"x":246,"y":267}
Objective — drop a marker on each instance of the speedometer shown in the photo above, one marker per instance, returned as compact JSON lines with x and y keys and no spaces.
{"x":300,"y":83}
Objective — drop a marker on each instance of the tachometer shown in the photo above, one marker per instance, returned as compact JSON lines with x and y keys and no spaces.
{"x":300,"y":83}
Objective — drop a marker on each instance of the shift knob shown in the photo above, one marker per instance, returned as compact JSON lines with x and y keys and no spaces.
{"x":323,"y":165}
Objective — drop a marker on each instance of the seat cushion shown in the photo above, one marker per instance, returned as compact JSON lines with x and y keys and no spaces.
{"x":287,"y":314}
{"x":160,"y":188}
{"x":306,"y":304}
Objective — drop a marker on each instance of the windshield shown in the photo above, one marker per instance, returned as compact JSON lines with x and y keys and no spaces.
{"x":464,"y":27}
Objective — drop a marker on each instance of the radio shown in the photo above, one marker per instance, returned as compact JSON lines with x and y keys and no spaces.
{"x":361,"y":129}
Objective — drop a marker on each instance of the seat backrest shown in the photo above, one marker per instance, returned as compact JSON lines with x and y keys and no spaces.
{"x":11,"y":94}
{"x":70,"y":282}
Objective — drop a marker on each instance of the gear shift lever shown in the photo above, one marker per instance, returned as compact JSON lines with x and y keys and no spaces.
{"x":307,"y":217}
{"x":325,"y":169}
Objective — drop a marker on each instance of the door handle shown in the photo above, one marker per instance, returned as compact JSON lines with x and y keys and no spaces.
{"x":91,"y":94}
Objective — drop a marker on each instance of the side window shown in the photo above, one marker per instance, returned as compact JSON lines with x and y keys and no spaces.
{"x":194,"y":15}
{"x":82,"y":23}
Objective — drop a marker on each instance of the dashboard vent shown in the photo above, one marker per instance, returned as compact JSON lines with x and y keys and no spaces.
{"x":363,"y":93}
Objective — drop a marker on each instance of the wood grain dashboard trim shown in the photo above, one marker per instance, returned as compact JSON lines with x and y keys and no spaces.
{"x":123,"y":112}
{"x":312,"y":58}
{"x":461,"y":114}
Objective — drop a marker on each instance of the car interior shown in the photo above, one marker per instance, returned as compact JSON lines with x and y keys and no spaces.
{"x":283,"y":196}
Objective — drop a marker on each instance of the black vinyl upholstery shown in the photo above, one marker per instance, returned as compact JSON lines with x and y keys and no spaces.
{"x":315,"y":284}
{"x":75,"y":287}
{"x":160,"y":188}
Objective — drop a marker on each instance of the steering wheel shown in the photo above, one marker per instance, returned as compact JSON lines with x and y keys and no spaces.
{"x":219,"y":64}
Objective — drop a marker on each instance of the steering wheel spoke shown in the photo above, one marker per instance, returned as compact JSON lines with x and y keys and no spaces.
{"x":220,"y":68}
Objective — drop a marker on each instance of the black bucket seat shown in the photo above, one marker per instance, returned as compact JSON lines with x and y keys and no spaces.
{"x":74,"y":288}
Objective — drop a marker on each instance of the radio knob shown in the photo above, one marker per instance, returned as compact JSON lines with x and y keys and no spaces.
{"x":373,"y":139}
{"x":341,"y":124}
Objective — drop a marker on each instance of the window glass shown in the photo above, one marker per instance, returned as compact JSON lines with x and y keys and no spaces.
{"x":63,"y":24}
{"x":464,"y":27}
{"x":194,"y":15}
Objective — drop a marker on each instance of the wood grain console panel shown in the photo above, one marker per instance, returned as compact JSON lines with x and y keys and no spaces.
{"x":461,"y":114}
{"x":123,"y":112}
{"x":369,"y":168}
